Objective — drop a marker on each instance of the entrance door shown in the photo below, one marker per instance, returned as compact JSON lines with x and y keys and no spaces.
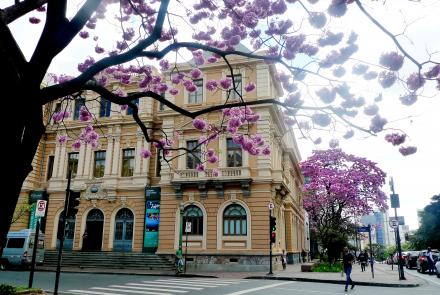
{"x":123,"y":231}
{"x":92,"y":238}
{"x":69,"y":231}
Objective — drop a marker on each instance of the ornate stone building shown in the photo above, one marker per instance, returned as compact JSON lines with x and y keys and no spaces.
{"x":129,"y":203}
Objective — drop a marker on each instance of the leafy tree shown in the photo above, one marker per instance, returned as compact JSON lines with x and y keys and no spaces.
{"x":339,"y":187}
{"x":428,"y":233}
{"x":154,"y":32}
{"x":379,"y":251}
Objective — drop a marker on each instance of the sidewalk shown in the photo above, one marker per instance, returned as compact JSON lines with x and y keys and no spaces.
{"x":383,"y":275}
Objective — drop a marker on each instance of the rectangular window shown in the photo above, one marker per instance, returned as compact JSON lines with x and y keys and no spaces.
{"x":193,"y":158}
{"x":50,"y":167}
{"x":105,"y":108}
{"x":232,"y":94}
{"x":98,"y":169}
{"x":130,"y":110}
{"x":234,"y":154}
{"x":72,"y":164}
{"x":127,"y":162}
{"x":196,"y":96}
{"x":161,"y":105}
{"x":79,"y":102}
{"x":15,"y":243}
{"x":158,"y":163}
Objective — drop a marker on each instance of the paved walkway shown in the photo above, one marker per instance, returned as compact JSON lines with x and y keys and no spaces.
{"x":383,"y":275}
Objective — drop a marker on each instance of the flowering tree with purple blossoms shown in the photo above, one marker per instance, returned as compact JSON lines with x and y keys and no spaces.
{"x":339,"y":188}
{"x":157,"y":32}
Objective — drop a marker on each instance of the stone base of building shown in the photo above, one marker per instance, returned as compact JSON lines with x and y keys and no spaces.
{"x":230,"y":263}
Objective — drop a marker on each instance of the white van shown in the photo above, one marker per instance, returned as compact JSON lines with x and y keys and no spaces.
{"x":19,"y":247}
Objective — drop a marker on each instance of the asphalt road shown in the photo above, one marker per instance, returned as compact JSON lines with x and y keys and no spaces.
{"x":108,"y":284}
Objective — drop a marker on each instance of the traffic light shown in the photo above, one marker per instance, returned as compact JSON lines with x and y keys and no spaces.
{"x":72,"y":206}
{"x":273,"y":228}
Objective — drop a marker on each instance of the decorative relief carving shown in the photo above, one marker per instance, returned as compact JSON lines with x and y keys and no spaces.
{"x":95,"y":190}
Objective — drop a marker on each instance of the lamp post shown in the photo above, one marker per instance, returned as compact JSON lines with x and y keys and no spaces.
{"x":396,"y":204}
{"x":181,"y":208}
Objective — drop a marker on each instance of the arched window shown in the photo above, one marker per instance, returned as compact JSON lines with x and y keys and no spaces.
{"x":234,"y":221}
{"x":194,"y":215}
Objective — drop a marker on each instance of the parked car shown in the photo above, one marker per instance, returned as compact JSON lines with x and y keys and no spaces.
{"x":422,"y":260}
{"x":411,"y":259}
{"x":396,"y":257}
{"x":437,"y":268}
{"x":19,"y":248}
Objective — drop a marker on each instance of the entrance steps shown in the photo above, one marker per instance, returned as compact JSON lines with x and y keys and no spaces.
{"x":109,"y":260}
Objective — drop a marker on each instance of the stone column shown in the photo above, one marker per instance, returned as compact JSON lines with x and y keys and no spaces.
{"x":137,"y":157}
{"x":63,"y":162}
{"x":87,"y":161}
{"x":263,"y":129}
{"x":56,"y":160}
{"x":81,"y":160}
{"x":108,"y":157}
{"x":263,"y":81}
{"x":222,"y":151}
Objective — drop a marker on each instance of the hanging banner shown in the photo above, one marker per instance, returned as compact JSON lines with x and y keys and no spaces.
{"x":152,"y":218}
{"x":32,"y":217}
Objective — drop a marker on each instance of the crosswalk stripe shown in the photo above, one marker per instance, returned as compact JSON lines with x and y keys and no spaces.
{"x":157,"y":284}
{"x":147,"y":288}
{"x":131,"y":291}
{"x":85,"y":292}
{"x":258,"y":288}
{"x":198,"y":282}
{"x":214,"y":281}
{"x":185,"y":284}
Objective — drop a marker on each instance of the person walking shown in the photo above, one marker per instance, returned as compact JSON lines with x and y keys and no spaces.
{"x":283,"y":260}
{"x":431,"y":269}
{"x":363,"y":259}
{"x":347,"y":261}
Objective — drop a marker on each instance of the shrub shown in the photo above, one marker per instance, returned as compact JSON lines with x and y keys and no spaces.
{"x":327,"y":267}
{"x":7,"y":290}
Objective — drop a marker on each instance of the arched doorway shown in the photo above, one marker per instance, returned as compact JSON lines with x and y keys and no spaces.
{"x":123,"y":239}
{"x":92,"y":237}
{"x":69,"y":231}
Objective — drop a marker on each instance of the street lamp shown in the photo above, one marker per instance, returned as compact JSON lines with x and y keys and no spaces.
{"x":181,"y":209}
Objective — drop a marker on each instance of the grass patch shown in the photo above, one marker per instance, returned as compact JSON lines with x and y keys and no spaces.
{"x":11,"y":290}
{"x":326,"y":267}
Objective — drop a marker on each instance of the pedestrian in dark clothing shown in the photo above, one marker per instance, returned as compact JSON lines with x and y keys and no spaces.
{"x":363,"y":259}
{"x":430,"y":258}
{"x":347,"y":261}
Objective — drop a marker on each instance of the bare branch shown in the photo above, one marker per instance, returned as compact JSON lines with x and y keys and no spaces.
{"x":13,"y":12}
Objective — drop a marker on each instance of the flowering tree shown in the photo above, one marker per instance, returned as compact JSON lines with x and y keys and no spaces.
{"x":153,"y":31}
{"x":340,"y":187}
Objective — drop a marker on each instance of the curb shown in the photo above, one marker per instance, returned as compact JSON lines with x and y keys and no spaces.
{"x":333,"y":281}
{"x":130,"y":273}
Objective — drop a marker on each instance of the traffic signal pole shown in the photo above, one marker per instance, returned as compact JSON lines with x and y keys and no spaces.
{"x":395,"y":203}
{"x":270,"y":242}
{"x":63,"y":226}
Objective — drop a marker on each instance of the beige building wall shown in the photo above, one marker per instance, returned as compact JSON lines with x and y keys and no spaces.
{"x":261,"y":179}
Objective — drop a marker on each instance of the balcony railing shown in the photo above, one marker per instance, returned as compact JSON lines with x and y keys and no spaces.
{"x":229,"y":172}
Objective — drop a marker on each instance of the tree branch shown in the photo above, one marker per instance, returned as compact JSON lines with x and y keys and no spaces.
{"x":13,"y":12}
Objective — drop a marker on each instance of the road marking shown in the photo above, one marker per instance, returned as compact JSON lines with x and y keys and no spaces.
{"x":311,"y":291}
{"x":148,"y":288}
{"x":198,"y":282}
{"x":167,"y":282}
{"x":91,"y":292}
{"x":258,"y":288}
{"x":130,"y":291}
{"x":156,"y":284}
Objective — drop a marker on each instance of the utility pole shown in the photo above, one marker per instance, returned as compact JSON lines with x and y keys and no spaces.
{"x":396,"y":204}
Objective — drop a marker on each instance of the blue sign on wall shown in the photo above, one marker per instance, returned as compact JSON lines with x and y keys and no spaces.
{"x":152,"y":219}
{"x":363,"y":229}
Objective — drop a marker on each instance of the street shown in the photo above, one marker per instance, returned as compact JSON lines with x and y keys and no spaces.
{"x":107,"y":284}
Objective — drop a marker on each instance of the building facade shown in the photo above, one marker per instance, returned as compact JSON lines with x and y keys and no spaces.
{"x":129,"y":203}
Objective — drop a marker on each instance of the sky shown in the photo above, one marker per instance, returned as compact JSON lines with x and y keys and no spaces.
{"x":415,"y":176}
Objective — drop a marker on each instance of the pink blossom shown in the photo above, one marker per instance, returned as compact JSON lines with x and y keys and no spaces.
{"x":212,"y":59}
{"x":226,"y":83}
{"x":377,"y":124}
{"x":145,"y":153}
{"x":387,"y":79}
{"x":62,"y":139}
{"x":210,"y":153}
{"x":174,"y":91}
{"x":415,"y":81}
{"x":200,"y":167}
{"x":408,"y":99}
{"x":395,"y":138}
{"x":124,"y":107}
{"x":199,"y":124}
{"x":392,"y":60}
{"x":211,"y":85}
{"x":371,"y":110}
{"x":34,"y":20}
{"x":333,"y":143}
{"x":196,"y":73}
{"x":191,"y":88}
{"x":76,"y":144}
{"x":164,"y":65}
{"x":326,"y":95}
{"x":321,"y":119}
{"x":266,"y":151}
{"x":84,"y":114}
{"x":84,"y":34}
{"x":215,"y":172}
{"x":213,"y":159}
{"x":408,"y":150}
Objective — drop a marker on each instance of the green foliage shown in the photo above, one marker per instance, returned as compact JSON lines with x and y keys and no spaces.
{"x":389,"y":251}
{"x":428,"y":234}
{"x":327,"y":267}
{"x":407,"y":246}
{"x":7,"y":290}
{"x":379,"y":251}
